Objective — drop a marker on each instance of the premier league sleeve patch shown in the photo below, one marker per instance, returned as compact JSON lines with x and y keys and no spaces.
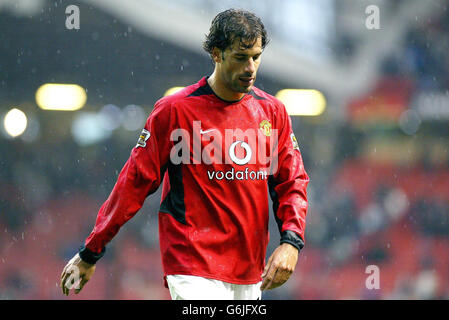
{"x":144,"y":136}
{"x":294,"y":141}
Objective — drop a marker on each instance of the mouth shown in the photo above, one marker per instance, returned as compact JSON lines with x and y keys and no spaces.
{"x":247,"y":81}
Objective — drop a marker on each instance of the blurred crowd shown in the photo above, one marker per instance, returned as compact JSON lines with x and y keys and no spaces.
{"x":423,"y":54}
{"x":393,"y":214}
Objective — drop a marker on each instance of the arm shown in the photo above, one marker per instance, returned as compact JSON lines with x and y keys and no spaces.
{"x":141,"y":176}
{"x":288,"y":190}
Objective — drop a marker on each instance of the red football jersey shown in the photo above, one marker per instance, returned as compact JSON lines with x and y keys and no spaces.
{"x":218,"y":161}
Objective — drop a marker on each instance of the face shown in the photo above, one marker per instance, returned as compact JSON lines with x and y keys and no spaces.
{"x":237,"y":66}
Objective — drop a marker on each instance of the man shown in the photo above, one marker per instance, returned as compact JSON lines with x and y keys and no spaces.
{"x":213,"y":219}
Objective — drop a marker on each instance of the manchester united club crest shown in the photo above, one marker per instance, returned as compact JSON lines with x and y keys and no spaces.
{"x":265,"y":126}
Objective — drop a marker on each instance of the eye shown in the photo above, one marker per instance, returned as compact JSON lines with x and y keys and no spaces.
{"x":256,"y":57}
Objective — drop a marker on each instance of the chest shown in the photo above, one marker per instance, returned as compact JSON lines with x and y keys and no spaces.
{"x":235,"y":134}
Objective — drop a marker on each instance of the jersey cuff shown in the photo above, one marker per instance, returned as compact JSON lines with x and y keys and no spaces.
{"x":292,"y":238}
{"x":89,"y":256}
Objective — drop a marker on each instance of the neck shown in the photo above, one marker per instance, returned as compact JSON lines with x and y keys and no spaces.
{"x":219,"y":88}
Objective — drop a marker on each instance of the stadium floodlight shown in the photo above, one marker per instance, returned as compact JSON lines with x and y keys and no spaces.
{"x":302,"y":102}
{"x":172,"y":90}
{"x":15,"y":122}
{"x":62,"y":97}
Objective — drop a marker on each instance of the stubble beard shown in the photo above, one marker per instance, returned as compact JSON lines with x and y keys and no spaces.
{"x":236,"y":87}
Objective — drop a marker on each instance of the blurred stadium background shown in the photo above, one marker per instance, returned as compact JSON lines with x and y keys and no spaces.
{"x":377,"y":154}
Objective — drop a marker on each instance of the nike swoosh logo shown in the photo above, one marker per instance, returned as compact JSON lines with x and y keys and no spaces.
{"x":206,"y":131}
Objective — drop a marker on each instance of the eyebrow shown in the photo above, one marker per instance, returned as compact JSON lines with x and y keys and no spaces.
{"x":246,"y":55}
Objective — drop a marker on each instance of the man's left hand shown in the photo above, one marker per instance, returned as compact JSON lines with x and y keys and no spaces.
{"x":280,"y":266}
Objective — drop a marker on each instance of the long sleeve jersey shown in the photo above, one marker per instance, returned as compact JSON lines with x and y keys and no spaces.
{"x":218,"y":161}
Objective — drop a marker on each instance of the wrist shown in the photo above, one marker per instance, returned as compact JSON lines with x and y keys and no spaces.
{"x":292,"y":238}
{"x":89,"y":256}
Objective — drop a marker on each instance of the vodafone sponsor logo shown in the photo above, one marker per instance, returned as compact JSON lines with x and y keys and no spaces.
{"x":238,"y":175}
{"x":252,"y":147}
{"x":245,"y":146}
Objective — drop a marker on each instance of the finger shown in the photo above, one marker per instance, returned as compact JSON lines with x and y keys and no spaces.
{"x":264,"y":284}
{"x":267,"y":266}
{"x":81,"y":285}
{"x":64,"y":284}
{"x":281,"y":277}
{"x":269,"y":276}
{"x":63,"y":280}
{"x":62,"y":277}
{"x":269,"y":284}
{"x":68,"y":283}
{"x":265,"y":275}
{"x":63,"y":272}
{"x":265,"y":281}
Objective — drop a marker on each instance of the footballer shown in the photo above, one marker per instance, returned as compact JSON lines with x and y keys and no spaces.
{"x":219,"y":148}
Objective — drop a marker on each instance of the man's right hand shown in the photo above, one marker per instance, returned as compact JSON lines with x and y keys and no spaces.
{"x":76,"y":274}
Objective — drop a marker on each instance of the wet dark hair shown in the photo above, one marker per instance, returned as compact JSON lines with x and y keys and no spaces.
{"x":235,"y":24}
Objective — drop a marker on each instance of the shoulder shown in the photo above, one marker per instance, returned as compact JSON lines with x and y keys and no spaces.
{"x":173,"y":99}
{"x":277,"y":106}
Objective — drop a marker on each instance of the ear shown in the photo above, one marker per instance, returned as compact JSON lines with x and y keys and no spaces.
{"x":217,"y":55}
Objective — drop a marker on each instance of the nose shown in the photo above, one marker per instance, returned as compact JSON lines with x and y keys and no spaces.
{"x":250,"y":67}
